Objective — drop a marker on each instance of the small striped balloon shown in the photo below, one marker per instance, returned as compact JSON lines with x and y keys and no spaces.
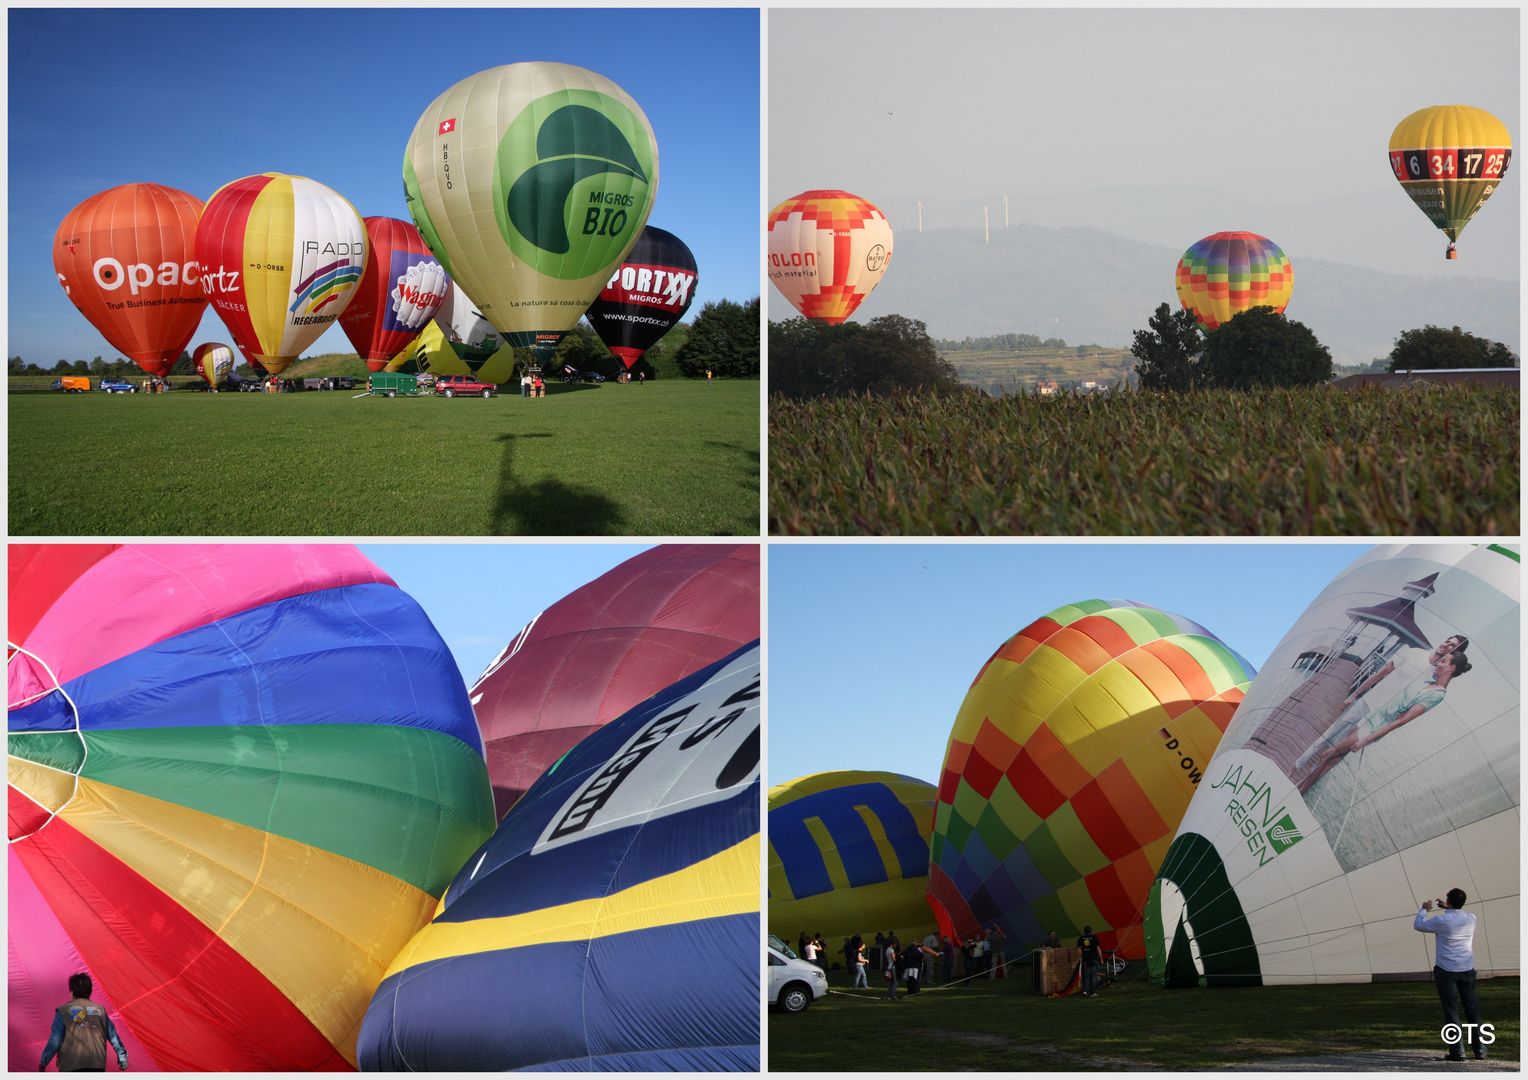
{"x":1229,"y":272}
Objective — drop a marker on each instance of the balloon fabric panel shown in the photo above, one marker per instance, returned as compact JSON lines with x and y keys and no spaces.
{"x":632,"y":863}
{"x":127,"y":260}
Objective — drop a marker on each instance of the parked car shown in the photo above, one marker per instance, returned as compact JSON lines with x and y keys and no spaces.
{"x":251,"y":386}
{"x":118,"y":386}
{"x":72,"y":384}
{"x":393,"y":383}
{"x":793,"y":983}
{"x":464,"y":386}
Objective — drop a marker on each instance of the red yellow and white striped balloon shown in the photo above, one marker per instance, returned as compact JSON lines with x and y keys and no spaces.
{"x":827,"y":250}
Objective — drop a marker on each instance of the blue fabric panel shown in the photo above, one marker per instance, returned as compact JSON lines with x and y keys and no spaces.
{"x":354,"y":654}
{"x":1026,"y":875}
{"x":694,"y":1059}
{"x":605,"y":862}
{"x":805,"y":867}
{"x":682,"y":996}
{"x":981,"y":861}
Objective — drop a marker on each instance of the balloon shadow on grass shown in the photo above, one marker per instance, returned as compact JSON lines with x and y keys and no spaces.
{"x":547,"y":507}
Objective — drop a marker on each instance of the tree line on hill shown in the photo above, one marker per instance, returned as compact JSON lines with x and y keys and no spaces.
{"x":999,"y":342}
{"x":1257,"y":348}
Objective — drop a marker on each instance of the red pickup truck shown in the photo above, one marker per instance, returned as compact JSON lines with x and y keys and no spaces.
{"x":464,"y":385}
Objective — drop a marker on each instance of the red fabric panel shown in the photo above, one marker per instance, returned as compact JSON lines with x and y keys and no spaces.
{"x":1080,"y":649}
{"x":195,"y":1003}
{"x":1048,"y":771}
{"x":49,"y":569}
{"x":950,"y":908}
{"x":1109,"y":896}
{"x":1183,"y":665}
{"x":982,"y":775}
{"x":1109,"y":635}
{"x":949,"y":780}
{"x":23,"y":815}
{"x":1103,"y":822}
{"x":531,"y":755}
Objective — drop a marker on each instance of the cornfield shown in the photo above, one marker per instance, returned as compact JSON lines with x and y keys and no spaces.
{"x":1316,"y":462}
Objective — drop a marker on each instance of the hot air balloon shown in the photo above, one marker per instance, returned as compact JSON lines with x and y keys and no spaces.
{"x":1071,"y":762}
{"x":239,"y":779}
{"x":213,"y":361}
{"x":848,"y":852}
{"x":1449,"y":158}
{"x":1372,"y":765}
{"x":1226,"y":273}
{"x":646,"y":297}
{"x":457,"y":339}
{"x":612,"y":922}
{"x":127,"y":259}
{"x":827,"y":250}
{"x":606,"y":646}
{"x":400,"y":292}
{"x":281,"y":258}
{"x":531,"y":182}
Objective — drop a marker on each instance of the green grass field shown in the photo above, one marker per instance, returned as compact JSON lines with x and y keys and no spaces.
{"x":672,"y":458}
{"x":997,"y":370}
{"x":998,"y":1025}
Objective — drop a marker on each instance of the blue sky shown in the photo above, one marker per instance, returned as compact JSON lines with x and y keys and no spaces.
{"x":193,"y":98}
{"x":871,"y":648}
{"x":479,"y":596}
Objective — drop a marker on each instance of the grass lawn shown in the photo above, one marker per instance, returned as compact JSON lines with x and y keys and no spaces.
{"x":1000,"y":1025}
{"x":671,"y":458}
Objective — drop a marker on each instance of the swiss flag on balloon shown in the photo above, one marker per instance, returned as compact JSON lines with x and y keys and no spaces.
{"x":447,"y":126}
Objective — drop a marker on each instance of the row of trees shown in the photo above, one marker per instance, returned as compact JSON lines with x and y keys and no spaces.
{"x":812,"y":359}
{"x":1000,"y":342}
{"x":1260,"y":347}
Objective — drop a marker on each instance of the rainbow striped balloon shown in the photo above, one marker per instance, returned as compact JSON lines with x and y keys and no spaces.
{"x":1072,"y":760}
{"x":1229,"y":272}
{"x":239,"y":779}
{"x":848,"y":854}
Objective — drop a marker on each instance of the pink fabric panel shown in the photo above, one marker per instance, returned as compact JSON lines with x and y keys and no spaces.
{"x":145,"y":593}
{"x":41,"y":960}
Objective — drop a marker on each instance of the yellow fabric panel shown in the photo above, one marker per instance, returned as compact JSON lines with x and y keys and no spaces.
{"x":1198,"y":734}
{"x":320,"y":927}
{"x":830,"y":857}
{"x":1442,"y":126}
{"x":1093,"y":722}
{"x":889,"y":858}
{"x":1011,"y":810}
{"x":49,"y":788}
{"x":1073,"y":840}
{"x":1049,"y":675}
{"x":1078,"y":902}
{"x":898,"y":906}
{"x":725,"y":884}
{"x":979,"y":698}
{"x":268,"y":242}
{"x":1155,"y":768}
{"x":1156,"y":851}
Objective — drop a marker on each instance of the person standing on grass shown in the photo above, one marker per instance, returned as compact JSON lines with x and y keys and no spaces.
{"x":1454,"y":966}
{"x":930,"y":954}
{"x":858,"y":957}
{"x":999,"y":958}
{"x":889,"y":963}
{"x":947,"y":955}
{"x":1091,"y":955}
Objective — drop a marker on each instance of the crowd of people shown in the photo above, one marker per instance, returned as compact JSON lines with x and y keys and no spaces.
{"x":938,"y":959}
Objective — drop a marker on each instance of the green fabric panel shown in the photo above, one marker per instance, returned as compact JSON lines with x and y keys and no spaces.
{"x":1181,"y":972}
{"x":1226,"y":946}
{"x":1220,"y":667}
{"x":956,"y":838}
{"x":935,"y":849}
{"x":1137,"y":623}
{"x":1508,"y":552}
{"x":995,"y":835}
{"x":412,"y":803}
{"x":1048,"y":859}
{"x":968,"y":801}
{"x":1072,"y":612}
{"x":61,"y":750}
{"x":1072,"y":839}
{"x":1159,"y":621}
{"x":1051,"y":913}
{"x":1012,"y":810}
{"x":1151,"y":930}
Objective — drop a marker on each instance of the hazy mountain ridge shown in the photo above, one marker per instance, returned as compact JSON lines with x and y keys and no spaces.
{"x":1092,"y":287}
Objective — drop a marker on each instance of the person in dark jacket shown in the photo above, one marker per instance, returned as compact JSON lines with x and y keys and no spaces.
{"x":81,"y":1030}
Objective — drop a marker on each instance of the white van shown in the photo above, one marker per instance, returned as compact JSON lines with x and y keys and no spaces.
{"x":793,"y":983}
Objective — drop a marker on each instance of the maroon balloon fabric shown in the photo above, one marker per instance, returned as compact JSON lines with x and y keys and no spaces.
{"x":606,"y":647}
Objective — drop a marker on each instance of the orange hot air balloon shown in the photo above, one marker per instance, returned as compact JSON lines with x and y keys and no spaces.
{"x":827,"y":250}
{"x":127,"y":259}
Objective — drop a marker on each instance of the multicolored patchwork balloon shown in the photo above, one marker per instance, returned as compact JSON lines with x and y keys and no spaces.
{"x":1226,"y":273}
{"x":127,"y":259}
{"x":848,"y":854}
{"x":612,"y":922}
{"x":1373,"y":765}
{"x":605,"y":647}
{"x":281,"y":257}
{"x":1071,"y":762}
{"x":827,"y":250}
{"x":531,"y":182}
{"x":239,"y":779}
{"x":1450,"y":158}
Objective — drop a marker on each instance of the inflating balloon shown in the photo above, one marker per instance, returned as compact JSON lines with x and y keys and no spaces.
{"x":827,"y":250}
{"x":399,"y":293}
{"x":127,"y":259}
{"x":213,"y":361}
{"x":646,"y":297}
{"x":1372,"y":766}
{"x":531,"y":182}
{"x":1072,"y":760}
{"x":848,"y":854}
{"x":612,"y":922}
{"x":239,"y":779}
{"x":1450,"y":158}
{"x":605,"y":647}
{"x":281,"y":258}
{"x":1226,"y":273}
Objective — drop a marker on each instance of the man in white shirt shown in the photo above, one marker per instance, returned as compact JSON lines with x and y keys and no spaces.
{"x":1454,"y":966}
